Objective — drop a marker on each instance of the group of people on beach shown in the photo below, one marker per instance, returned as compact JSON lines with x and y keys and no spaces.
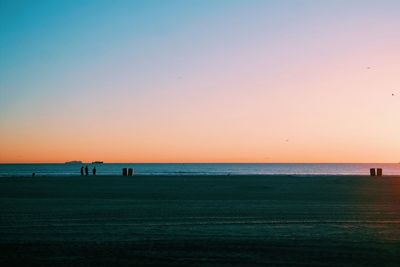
{"x":86,"y":170}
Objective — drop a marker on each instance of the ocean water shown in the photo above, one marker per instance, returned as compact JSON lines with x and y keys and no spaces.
{"x":201,"y":169}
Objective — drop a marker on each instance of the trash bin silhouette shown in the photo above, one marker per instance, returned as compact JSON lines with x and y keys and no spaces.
{"x":372,"y":171}
{"x":130,"y":172}
{"x":379,"y":171}
{"x":124,"y":172}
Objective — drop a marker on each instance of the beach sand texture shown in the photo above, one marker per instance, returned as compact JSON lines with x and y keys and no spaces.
{"x":200,"y":221}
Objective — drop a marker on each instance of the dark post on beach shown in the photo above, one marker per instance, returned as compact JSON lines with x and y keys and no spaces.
{"x":124,"y":172}
{"x":372,"y":172}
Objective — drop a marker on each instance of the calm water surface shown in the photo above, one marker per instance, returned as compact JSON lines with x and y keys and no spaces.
{"x":201,"y":169}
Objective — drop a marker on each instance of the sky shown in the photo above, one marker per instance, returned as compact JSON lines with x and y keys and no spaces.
{"x":199,"y":81}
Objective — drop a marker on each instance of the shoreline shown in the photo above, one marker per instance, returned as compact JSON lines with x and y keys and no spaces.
{"x":201,"y":175}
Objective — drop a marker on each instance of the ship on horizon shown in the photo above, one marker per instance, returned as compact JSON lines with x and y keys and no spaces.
{"x":74,"y":162}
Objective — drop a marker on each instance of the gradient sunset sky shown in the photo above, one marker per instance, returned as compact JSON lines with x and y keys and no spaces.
{"x":200,"y":81}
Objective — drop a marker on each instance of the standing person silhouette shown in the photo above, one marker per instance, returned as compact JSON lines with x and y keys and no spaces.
{"x":86,"y":170}
{"x":82,"y":171}
{"x":94,"y":170}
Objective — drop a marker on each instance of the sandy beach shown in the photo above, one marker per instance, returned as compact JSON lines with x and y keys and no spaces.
{"x":200,"y":221}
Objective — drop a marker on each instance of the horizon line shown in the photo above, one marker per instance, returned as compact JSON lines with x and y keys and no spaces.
{"x":3,"y":163}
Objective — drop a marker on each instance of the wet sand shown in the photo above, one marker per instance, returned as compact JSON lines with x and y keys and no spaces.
{"x":200,"y":221}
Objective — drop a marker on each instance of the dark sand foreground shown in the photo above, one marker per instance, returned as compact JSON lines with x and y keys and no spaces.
{"x":200,"y":221}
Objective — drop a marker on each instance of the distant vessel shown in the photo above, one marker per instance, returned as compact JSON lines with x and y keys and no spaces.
{"x":74,"y":162}
{"x":97,"y":162}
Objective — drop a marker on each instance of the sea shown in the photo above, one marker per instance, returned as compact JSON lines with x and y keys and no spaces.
{"x":201,"y":169}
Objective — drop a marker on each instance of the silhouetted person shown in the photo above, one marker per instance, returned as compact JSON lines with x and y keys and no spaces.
{"x":33,"y":174}
{"x":82,"y":170}
{"x":94,"y":170}
{"x":86,"y":170}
